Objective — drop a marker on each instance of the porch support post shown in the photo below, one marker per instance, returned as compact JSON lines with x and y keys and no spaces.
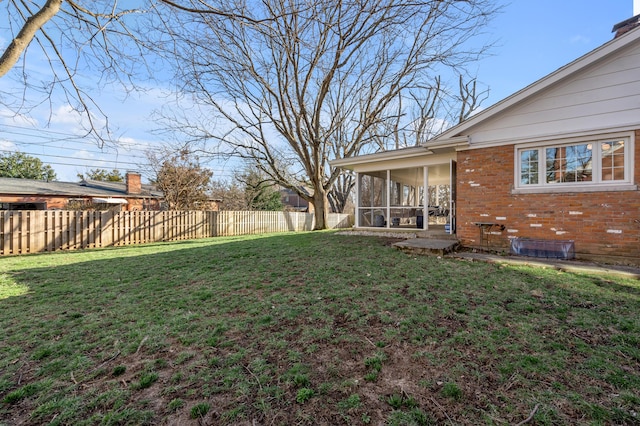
{"x":388,"y":188}
{"x":358,"y":197}
{"x":425,"y":208}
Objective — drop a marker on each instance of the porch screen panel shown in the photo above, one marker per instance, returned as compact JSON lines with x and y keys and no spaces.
{"x":406,"y":187}
{"x":372,"y":200}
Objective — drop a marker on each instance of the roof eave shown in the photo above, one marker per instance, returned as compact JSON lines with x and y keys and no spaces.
{"x":454,"y":142}
{"x":382,"y":156}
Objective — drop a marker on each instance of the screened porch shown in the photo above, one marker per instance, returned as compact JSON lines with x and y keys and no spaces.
{"x":405,"y":198}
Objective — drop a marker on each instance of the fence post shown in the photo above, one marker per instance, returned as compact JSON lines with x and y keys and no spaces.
{"x":49,"y":233}
{"x":8,"y":232}
{"x":5,"y":233}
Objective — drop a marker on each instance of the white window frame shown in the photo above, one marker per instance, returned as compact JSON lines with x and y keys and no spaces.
{"x":597,"y":184}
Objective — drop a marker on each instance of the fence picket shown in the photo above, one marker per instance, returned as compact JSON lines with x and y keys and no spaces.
{"x":37,"y":231}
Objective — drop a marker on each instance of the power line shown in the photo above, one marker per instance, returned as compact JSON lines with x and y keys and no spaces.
{"x":75,"y":139}
{"x":67,"y":157}
{"x":45,"y":131}
{"x":94,"y":160}
{"x":112,"y":150}
{"x":49,"y":142}
{"x":217,"y":172}
{"x":84,"y":150}
{"x":82,"y":165}
{"x":66,"y":137}
{"x":43,"y":138}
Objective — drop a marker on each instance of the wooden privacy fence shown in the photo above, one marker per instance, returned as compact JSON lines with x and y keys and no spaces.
{"x":37,"y":231}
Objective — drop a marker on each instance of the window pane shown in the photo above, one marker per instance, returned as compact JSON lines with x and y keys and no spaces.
{"x":556,"y":164}
{"x":612,"y":160}
{"x":570,"y":164}
{"x":579,"y":163}
{"x":529,"y":167}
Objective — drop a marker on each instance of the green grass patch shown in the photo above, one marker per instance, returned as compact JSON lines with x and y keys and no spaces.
{"x":199,"y":410}
{"x":20,"y":393}
{"x":146,"y":380}
{"x":310,"y":327}
{"x":304,"y":395}
{"x":351,"y":402}
{"x":451,"y":390}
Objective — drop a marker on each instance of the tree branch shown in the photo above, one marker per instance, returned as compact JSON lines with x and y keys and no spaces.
{"x":28,"y":31}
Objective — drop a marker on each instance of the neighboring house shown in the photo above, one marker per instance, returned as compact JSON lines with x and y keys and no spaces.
{"x":556,"y":161}
{"x":292,"y":201}
{"x":27,"y":194}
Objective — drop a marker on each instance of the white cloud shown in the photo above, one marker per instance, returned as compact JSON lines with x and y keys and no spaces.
{"x":14,"y":119}
{"x":83,"y":154}
{"x":65,"y":114}
{"x":126,"y":141}
{"x":579,"y":39}
{"x":477,"y":111}
{"x":131,"y":144}
{"x":7,"y":145}
{"x":70,"y":121}
{"x":436,"y":126}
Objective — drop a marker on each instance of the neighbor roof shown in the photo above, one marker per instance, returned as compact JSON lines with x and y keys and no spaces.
{"x":89,"y":188}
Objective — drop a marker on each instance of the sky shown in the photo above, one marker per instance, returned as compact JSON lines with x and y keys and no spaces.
{"x":533,"y":39}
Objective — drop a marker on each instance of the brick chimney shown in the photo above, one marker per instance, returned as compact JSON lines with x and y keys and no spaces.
{"x":629,"y":24}
{"x":134,"y":183}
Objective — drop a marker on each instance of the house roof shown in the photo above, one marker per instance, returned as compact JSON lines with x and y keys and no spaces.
{"x":90,"y":188}
{"x":459,"y":132}
{"x":381,"y":156}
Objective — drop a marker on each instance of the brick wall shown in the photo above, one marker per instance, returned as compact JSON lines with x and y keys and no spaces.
{"x":52,"y":202}
{"x":604,"y":225}
{"x":62,"y":202}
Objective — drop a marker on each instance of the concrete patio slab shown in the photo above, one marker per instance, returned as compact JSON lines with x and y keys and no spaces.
{"x":560,"y":265}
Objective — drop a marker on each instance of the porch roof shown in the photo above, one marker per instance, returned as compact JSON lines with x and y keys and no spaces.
{"x":395,"y":154}
{"x":404,"y":164}
{"x":409,"y":155}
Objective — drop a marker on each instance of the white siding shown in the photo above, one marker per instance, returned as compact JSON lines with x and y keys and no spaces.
{"x":604,"y":96}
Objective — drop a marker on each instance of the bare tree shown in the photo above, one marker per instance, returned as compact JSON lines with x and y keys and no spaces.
{"x":185,"y":184}
{"x":107,"y":39}
{"x":320,"y":81}
{"x":231,"y":194}
{"x":469,"y":98}
{"x":341,"y":191}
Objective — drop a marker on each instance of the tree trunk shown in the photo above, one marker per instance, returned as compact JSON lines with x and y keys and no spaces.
{"x":320,"y":209}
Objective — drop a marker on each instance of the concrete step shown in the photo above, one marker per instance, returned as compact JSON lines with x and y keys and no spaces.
{"x":427,"y":246}
{"x":436,"y":234}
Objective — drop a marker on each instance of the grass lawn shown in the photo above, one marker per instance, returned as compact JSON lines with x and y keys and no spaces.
{"x":311,"y":328}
